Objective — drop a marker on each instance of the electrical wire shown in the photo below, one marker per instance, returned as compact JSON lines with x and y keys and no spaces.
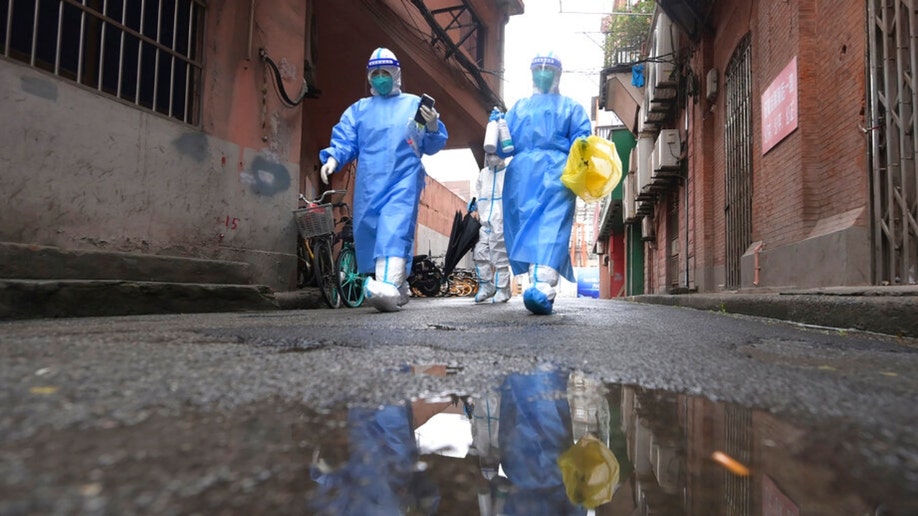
{"x":279,"y":83}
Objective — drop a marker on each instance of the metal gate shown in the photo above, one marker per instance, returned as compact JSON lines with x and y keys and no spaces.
{"x":892,"y":33}
{"x":738,"y":444}
{"x":738,"y":160}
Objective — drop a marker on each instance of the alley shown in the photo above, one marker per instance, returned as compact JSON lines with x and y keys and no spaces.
{"x":257,"y":413}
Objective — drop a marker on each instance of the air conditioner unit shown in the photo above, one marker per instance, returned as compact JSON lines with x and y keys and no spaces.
{"x":666,"y":152}
{"x":647,"y":229}
{"x":650,"y":120}
{"x":632,"y":161}
{"x":650,"y":115}
{"x":644,"y":152}
{"x":656,"y":105}
{"x":660,"y":91}
{"x":663,"y":50}
{"x":629,"y":208}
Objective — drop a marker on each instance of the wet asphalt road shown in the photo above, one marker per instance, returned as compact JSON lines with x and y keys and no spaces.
{"x":222,"y":413}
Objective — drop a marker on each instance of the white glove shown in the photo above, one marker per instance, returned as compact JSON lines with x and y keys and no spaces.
{"x":328,"y":168}
{"x":431,"y":116}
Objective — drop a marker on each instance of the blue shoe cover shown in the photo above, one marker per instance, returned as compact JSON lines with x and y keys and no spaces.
{"x":537,"y":302}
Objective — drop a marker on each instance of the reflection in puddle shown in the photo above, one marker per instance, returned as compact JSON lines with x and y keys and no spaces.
{"x":557,"y":442}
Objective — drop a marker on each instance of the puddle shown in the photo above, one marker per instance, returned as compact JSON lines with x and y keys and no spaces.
{"x":558,"y":442}
{"x":547,"y":442}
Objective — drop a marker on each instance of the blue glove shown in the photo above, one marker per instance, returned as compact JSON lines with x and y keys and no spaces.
{"x":473,"y":205}
{"x":495,"y":115}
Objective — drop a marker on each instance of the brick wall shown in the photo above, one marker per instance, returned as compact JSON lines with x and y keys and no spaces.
{"x":838,"y":158}
{"x":817,"y":172}
{"x":438,"y":208}
{"x":820,"y":169}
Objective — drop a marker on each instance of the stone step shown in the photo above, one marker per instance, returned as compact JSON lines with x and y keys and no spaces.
{"x":44,"y":281}
{"x":36,"y":262}
{"x":27,"y":299}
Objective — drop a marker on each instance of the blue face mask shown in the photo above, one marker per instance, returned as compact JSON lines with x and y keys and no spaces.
{"x":543,"y":79}
{"x":382,"y":84}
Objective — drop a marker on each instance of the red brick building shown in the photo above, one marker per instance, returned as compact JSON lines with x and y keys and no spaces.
{"x":775,"y":146}
{"x":187,"y":128}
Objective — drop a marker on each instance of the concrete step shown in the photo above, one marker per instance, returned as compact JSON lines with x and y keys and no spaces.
{"x":25,"y":299}
{"x":36,"y":262}
{"x":44,"y":281}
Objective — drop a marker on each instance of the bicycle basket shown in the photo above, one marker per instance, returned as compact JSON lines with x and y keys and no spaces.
{"x":314,"y":220}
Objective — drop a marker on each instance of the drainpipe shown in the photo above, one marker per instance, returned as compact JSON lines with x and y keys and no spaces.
{"x":685,"y":249}
{"x":248,"y":51}
{"x":755,"y":282}
{"x":685,"y":201}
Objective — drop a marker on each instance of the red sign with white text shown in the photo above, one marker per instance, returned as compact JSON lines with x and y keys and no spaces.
{"x":779,"y":107}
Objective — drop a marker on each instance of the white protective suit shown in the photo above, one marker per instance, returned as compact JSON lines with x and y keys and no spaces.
{"x":490,"y":253}
{"x":380,"y":132}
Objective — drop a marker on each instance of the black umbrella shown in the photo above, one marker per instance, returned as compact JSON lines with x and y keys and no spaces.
{"x":462,"y":239}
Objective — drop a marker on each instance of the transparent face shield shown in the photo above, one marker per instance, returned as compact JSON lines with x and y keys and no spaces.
{"x":385,"y":80}
{"x":545,"y":79}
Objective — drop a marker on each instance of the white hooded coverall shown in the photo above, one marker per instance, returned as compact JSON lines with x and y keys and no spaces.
{"x":490,"y":253}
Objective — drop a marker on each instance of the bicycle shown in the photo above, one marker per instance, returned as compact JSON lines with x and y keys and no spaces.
{"x":350,"y":280}
{"x":426,"y":278}
{"x":462,"y":283}
{"x":316,"y":227}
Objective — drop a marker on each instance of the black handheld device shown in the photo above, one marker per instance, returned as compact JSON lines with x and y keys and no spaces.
{"x":426,"y":100}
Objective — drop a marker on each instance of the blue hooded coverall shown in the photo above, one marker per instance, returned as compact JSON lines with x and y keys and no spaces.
{"x":538,"y":208}
{"x":380,"y":132}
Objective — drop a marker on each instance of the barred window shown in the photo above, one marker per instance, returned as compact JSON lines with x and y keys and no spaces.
{"x":146,"y":52}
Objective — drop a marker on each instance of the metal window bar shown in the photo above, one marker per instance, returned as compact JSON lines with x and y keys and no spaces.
{"x":188,"y":69}
{"x":34,"y":34}
{"x":102,"y":47}
{"x":172,"y":60}
{"x":79,"y":75}
{"x":143,"y":10}
{"x":9,"y":28}
{"x":93,"y":24}
{"x":121,"y":49}
{"x":60,"y":31}
{"x":159,"y":32}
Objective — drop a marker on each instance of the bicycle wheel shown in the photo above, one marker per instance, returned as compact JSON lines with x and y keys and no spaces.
{"x":350,"y":282}
{"x":305,"y":272}
{"x":326,"y":274}
{"x":428,"y":286}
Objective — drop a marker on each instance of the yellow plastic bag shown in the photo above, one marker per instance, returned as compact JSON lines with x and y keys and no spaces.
{"x":593,"y":168}
{"x":590,"y":471}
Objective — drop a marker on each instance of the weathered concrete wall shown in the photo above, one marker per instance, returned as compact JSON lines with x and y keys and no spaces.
{"x":104,"y":176}
{"x":82,"y":170}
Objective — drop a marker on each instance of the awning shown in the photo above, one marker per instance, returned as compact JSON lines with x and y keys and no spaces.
{"x":690,"y":15}
{"x":610,"y":219}
{"x":623,"y":99}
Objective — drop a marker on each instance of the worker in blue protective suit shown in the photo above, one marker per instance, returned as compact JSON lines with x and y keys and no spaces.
{"x":490,"y":252}
{"x":535,"y":429}
{"x":381,"y":475}
{"x":538,"y":208}
{"x":380,"y":131}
